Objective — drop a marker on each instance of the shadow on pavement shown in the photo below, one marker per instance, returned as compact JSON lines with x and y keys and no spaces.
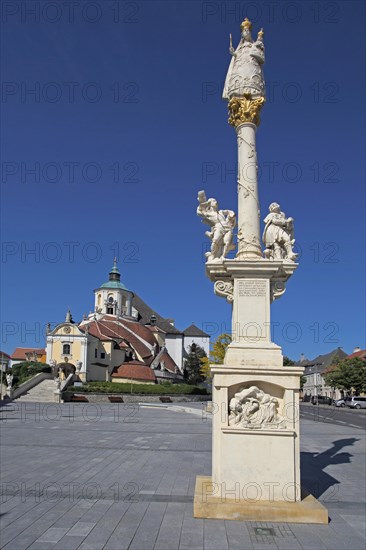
{"x":313,"y":477}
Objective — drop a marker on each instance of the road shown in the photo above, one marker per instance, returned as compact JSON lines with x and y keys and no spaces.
{"x":334,"y":415}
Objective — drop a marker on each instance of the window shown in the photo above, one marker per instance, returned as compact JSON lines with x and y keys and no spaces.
{"x":99,"y":299}
{"x":96,"y":353}
{"x":102,"y":355}
{"x":66,"y":349}
{"x":110,"y":310}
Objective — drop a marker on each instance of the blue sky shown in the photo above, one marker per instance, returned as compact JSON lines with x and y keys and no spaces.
{"x":126,"y":124}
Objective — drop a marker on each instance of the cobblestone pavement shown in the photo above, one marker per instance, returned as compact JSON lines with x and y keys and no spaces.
{"x":116,"y":477}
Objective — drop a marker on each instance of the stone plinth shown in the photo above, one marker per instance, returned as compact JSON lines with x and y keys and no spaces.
{"x":256,"y":462}
{"x":208,"y":505}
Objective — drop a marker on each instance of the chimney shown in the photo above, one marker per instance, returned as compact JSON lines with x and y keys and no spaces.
{"x":356,"y":349}
{"x":302,"y":358}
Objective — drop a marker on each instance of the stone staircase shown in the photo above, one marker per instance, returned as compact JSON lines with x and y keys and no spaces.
{"x":42,"y":393}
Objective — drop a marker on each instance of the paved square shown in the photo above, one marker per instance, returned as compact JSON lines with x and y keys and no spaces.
{"x":122,"y":476}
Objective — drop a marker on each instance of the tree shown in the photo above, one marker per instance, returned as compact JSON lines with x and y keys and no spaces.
{"x":348,"y":375}
{"x":287,"y":362}
{"x":217,"y":354}
{"x":192,"y":364}
{"x":205,"y":369}
{"x":219,"y":348}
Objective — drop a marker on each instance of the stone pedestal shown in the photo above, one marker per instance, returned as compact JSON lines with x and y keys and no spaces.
{"x":255,"y":455}
{"x":260,"y":461}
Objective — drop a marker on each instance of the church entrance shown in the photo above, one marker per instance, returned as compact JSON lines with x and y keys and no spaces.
{"x":65,"y":369}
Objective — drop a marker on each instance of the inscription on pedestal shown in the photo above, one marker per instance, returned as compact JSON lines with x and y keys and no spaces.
{"x":254,"y":287}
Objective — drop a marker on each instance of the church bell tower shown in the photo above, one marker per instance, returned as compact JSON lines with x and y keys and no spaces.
{"x":112,"y":297}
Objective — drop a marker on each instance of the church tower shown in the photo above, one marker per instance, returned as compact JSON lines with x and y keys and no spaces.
{"x":112,"y":297}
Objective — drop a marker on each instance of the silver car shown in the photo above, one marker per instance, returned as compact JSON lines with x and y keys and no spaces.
{"x":356,"y":402}
{"x":340,"y":402}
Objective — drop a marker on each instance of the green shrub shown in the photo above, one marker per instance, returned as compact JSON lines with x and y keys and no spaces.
{"x":27,"y":369}
{"x":142,"y":389}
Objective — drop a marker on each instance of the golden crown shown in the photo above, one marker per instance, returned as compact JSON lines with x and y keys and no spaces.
{"x":246,"y":24}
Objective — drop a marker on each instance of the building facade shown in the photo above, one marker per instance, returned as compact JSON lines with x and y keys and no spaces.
{"x":123,"y":339}
{"x":315,"y":385}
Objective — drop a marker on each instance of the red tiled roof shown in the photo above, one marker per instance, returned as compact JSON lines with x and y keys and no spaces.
{"x":128,"y":333}
{"x":107,"y":329}
{"x":3,"y":354}
{"x":168,"y":362}
{"x":135,"y":370}
{"x":19,"y":353}
{"x":137,"y":328}
{"x":361,"y":354}
{"x":123,"y":345}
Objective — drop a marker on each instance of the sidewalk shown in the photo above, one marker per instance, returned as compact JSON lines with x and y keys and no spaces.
{"x":122,"y":477}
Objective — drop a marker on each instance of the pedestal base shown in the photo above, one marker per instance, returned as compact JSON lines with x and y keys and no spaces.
{"x":209,"y":506}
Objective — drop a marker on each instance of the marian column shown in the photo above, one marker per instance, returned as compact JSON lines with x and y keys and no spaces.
{"x":245,"y":91}
{"x":255,"y":449}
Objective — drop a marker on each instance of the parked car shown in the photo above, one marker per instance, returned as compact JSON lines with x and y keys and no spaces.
{"x":356,"y":402}
{"x":340,"y":402}
{"x":321,"y":399}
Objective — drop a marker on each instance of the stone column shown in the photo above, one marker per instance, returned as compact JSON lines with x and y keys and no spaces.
{"x":248,"y":203}
{"x":244,"y":116}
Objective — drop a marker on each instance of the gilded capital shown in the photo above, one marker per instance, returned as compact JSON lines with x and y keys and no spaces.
{"x":244,"y":109}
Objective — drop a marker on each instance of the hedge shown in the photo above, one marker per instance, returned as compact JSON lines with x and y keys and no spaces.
{"x":26,"y":370}
{"x":154,"y":389}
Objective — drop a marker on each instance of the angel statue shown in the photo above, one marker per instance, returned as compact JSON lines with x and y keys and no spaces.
{"x":222,"y":223}
{"x":278,"y":235}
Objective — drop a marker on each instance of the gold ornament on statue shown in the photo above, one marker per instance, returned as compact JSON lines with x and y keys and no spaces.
{"x":246,"y":24}
{"x":245,"y":109}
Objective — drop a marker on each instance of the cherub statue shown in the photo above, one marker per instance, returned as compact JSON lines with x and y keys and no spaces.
{"x":78,"y":365}
{"x":222,"y":223}
{"x":278,"y":235}
{"x":245,"y":75}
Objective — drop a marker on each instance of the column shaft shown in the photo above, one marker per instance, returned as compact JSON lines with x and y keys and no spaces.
{"x":249,"y":246}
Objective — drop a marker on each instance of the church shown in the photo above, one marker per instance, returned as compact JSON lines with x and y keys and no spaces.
{"x":123,"y":340}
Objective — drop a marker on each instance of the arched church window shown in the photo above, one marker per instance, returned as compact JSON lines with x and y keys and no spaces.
{"x":66,"y":349}
{"x":99,"y":299}
{"x":123,"y":300}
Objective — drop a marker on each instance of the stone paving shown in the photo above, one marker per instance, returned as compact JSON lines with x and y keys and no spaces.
{"x":122,"y":477}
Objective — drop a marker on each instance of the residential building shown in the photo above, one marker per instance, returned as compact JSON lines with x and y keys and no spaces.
{"x":28,"y":354}
{"x":357,"y":352}
{"x":315,"y":384}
